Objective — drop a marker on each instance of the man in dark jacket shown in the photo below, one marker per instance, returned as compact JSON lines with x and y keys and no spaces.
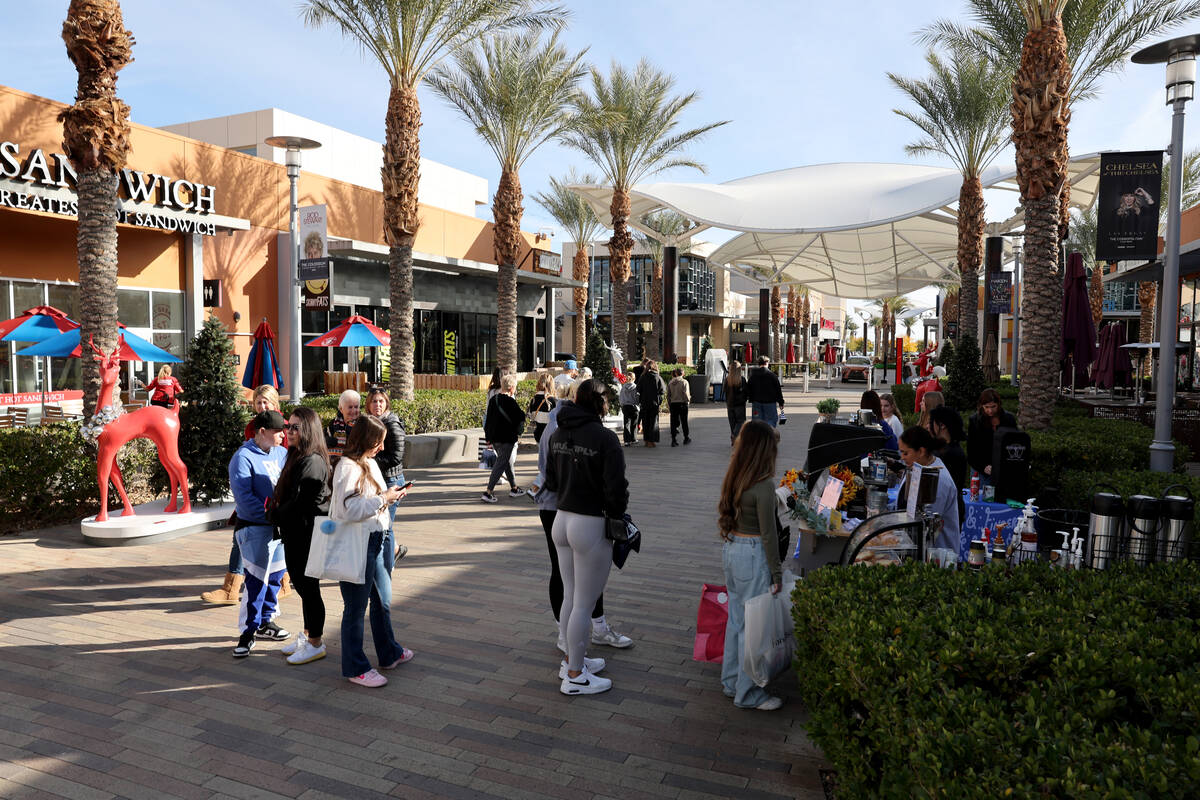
{"x":764,"y":392}
{"x":502,"y":427}
{"x":651,"y":390}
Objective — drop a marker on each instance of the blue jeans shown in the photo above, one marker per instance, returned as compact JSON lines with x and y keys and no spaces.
{"x":235,"y":558}
{"x":263,"y":562}
{"x":746,"y":575}
{"x":767,"y":412}
{"x":389,"y":536}
{"x":378,"y":590}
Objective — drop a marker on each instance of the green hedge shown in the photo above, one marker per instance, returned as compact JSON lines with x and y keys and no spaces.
{"x":1039,"y":683}
{"x":48,"y":476}
{"x":906,"y":397}
{"x":1075,"y":486}
{"x":1075,"y":442}
{"x":430,"y":410}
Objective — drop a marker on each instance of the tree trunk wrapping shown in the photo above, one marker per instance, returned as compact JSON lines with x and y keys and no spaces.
{"x":401,"y":173}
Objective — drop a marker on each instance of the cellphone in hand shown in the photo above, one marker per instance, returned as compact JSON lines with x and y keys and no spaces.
{"x":408,"y":485}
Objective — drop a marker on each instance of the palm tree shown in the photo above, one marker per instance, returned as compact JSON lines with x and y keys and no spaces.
{"x":1057,"y":51}
{"x":409,"y":38}
{"x":876,"y":323}
{"x":628,"y":130}
{"x":667,"y":226}
{"x":96,"y":140}
{"x":516,"y":94}
{"x":961,"y":111}
{"x":909,"y":321}
{"x":805,"y":318}
{"x":578,"y":220}
{"x":775,"y":308}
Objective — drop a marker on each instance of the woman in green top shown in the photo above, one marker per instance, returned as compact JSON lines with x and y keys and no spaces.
{"x":746,"y":514}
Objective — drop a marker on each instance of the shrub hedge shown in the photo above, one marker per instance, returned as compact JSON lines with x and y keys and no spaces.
{"x":1075,"y":486}
{"x":48,"y":476}
{"x":1077,"y":442}
{"x":906,"y":397}
{"x":1035,"y":683}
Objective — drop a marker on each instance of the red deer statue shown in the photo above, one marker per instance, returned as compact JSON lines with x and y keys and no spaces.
{"x":111,"y":429}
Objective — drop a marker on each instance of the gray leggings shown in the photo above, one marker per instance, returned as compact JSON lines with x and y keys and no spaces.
{"x":584,"y":559}
{"x":503,"y":465}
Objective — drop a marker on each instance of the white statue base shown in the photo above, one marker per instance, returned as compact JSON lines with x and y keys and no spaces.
{"x":151,"y":524}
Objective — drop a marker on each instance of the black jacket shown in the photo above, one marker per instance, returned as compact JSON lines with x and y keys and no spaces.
{"x":735,"y":396}
{"x":763,"y":386}
{"x":504,"y":420}
{"x":979,"y":439}
{"x":586,"y":466}
{"x":391,"y":458}
{"x":306,"y":496}
{"x":955,"y":459}
{"x":651,"y":389}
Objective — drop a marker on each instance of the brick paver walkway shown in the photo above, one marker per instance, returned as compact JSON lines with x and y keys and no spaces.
{"x":115,"y":681}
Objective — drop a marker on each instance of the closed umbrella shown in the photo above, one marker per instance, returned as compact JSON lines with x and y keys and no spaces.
{"x":262,"y":366}
{"x":1078,"y":329}
{"x":1102,"y":369}
{"x":749,"y":353}
{"x":830,"y":356}
{"x":791,"y":353}
{"x":34,"y":325}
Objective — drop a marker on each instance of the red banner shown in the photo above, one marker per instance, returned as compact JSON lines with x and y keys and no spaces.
{"x":899,"y":359}
{"x":35,"y":398}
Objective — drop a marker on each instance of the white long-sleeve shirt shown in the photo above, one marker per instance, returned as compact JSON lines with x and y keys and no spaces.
{"x":346,"y":505}
{"x":946,"y":504}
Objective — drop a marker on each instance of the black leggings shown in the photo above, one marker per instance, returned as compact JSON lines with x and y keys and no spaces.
{"x":295,"y":555}
{"x":556,"y":584}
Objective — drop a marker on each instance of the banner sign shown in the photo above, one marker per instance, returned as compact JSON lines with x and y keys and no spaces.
{"x":316,"y":295}
{"x":314,"y":244}
{"x":1128,"y":204}
{"x":951,"y":329}
{"x":32,"y":398}
{"x":999,"y":293}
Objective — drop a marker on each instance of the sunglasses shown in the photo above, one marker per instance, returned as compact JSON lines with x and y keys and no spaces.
{"x":291,"y":427}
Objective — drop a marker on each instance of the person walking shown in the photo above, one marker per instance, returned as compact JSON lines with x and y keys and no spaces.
{"x":651,"y":390}
{"x":679,"y":395}
{"x":586,"y":470}
{"x":541,"y":404}
{"x":502,"y":426}
{"x":301,"y":494}
{"x":765,"y":393}
{"x":361,"y":495}
{"x":746,"y":520}
{"x":629,"y":400}
{"x":391,"y":463}
{"x":735,"y":400}
{"x":253,"y":472}
{"x":163,"y":388}
{"x":602,"y":632}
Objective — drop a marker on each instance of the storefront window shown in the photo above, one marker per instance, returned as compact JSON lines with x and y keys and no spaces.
{"x":28,"y":295}
{"x":133,"y":308}
{"x":64,"y":297}
{"x":167,"y":311}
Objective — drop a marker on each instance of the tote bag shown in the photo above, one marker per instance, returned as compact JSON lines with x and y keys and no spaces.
{"x":711,"y":619}
{"x":767,"y":642}
{"x":338,"y":551}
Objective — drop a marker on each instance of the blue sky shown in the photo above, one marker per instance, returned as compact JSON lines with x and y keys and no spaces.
{"x":801,"y":82}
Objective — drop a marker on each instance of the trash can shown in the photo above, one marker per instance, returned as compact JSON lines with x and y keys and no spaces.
{"x":698,"y":384}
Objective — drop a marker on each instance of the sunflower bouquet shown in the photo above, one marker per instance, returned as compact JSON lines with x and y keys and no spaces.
{"x":851,"y":484}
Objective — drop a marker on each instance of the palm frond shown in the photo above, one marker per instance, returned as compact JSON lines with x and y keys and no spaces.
{"x":570,"y":210}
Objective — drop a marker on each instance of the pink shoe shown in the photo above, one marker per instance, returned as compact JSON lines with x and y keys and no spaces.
{"x":406,"y":655}
{"x":371,"y":679}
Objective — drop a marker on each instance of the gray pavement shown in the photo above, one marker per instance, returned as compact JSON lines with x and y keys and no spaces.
{"x":115,"y":681}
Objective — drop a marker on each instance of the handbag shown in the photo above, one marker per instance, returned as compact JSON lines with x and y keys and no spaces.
{"x":339,"y":550}
{"x":541,"y":416}
{"x":711,"y":618}
{"x":621,"y":529}
{"x":767,"y":641}
{"x":622,"y":547}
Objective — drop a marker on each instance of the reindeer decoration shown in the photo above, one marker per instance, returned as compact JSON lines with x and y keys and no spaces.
{"x":110,"y":429}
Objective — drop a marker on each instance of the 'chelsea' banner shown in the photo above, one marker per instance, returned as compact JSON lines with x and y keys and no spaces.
{"x":1127,"y":206}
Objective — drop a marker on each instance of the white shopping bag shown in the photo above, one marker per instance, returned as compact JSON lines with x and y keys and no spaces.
{"x":767,"y":643}
{"x":338,"y":551}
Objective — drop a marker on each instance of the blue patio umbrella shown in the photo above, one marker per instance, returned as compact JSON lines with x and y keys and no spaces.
{"x":35,"y":325}
{"x":262,"y":366}
{"x":68,"y":345}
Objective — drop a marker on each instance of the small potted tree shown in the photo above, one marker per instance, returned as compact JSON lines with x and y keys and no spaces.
{"x":827,"y":408}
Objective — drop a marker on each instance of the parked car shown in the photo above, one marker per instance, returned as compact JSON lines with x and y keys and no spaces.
{"x":564,"y":357}
{"x":856,"y":368}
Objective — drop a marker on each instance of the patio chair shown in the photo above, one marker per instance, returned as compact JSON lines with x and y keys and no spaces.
{"x":7,"y":421}
{"x":20,"y":416}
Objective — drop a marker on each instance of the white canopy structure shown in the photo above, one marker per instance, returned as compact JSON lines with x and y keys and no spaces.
{"x":853,"y":230}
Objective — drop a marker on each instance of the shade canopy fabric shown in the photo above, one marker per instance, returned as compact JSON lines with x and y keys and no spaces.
{"x":67,"y":345}
{"x":853,"y":230}
{"x":36,"y":324}
{"x":356,"y":331}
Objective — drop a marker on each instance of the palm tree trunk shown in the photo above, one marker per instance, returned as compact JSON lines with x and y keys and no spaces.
{"x":775,"y":323}
{"x":579,"y":271}
{"x":620,"y":246}
{"x":805,"y":322}
{"x":1040,"y":121}
{"x":1148,"y":300}
{"x":506,"y":211}
{"x":1096,"y":293}
{"x":971,"y":223}
{"x":401,"y":172}
{"x":96,"y":140}
{"x":656,"y":312}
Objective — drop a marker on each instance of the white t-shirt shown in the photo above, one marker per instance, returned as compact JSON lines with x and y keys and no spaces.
{"x":897,"y":425}
{"x":946,"y":504}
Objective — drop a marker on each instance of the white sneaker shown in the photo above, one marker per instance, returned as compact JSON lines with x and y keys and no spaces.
{"x":562,"y":644}
{"x":585,"y":683}
{"x":770,"y":704}
{"x":307,"y":652}
{"x":293,"y":645}
{"x":610,"y":638}
{"x":592,"y":665}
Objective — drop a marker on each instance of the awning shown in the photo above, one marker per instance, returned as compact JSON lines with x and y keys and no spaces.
{"x":352,"y":248}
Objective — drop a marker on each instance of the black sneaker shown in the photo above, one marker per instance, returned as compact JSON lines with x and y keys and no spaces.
{"x":674,"y":443}
{"x":244,"y":646}
{"x":687,"y":440}
{"x":271,"y":632}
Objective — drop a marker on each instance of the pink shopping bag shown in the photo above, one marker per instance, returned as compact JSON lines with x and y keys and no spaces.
{"x":710,"y":624}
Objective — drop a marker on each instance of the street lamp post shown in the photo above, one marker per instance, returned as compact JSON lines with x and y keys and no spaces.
{"x":293,"y":145}
{"x":1179,"y":55}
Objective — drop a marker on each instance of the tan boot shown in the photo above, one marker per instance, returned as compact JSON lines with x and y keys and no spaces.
{"x":285,"y":586}
{"x":227,"y":594}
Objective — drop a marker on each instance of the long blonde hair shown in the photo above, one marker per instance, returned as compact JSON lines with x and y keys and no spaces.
{"x":366,"y":434}
{"x":734,"y":378}
{"x":929,"y":401}
{"x":753,"y":460}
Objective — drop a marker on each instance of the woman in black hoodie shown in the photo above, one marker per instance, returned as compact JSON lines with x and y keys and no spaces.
{"x":587,"y":470}
{"x":502,"y":426}
{"x":302,"y":493}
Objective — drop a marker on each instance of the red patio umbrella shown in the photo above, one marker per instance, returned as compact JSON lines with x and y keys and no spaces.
{"x":262,"y":367}
{"x":829,"y":357}
{"x":749,"y":353}
{"x":36,"y":325}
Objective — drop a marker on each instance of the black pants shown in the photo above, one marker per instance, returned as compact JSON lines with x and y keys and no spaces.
{"x":630,"y":428}
{"x":163,"y":403}
{"x":679,"y":412}
{"x":650,"y":423}
{"x":737,"y":418}
{"x":556,"y":584}
{"x":296,"y":542}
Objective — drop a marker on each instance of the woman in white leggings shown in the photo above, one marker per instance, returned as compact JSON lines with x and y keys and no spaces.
{"x":586,"y":468}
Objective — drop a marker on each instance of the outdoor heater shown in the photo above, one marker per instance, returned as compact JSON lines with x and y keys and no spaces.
{"x":1179,"y":55}
{"x":293,"y":145}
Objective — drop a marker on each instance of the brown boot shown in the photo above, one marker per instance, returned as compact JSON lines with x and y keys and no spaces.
{"x":285,"y":586}
{"x":227,"y":594}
